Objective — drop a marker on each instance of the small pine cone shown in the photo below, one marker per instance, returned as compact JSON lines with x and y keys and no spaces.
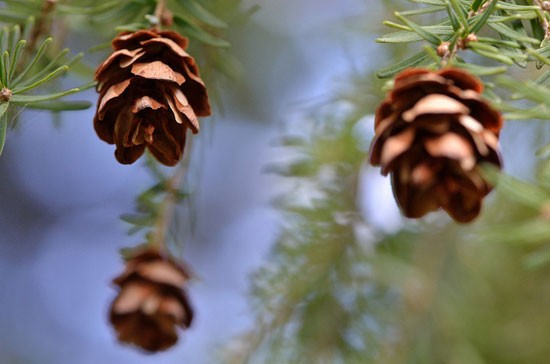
{"x":151,"y":301}
{"x":150,"y":93}
{"x":431,"y":132}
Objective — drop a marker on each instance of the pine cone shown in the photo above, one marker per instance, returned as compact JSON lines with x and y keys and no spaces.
{"x":150,"y":93}
{"x":151,"y":302}
{"x":431,"y":132}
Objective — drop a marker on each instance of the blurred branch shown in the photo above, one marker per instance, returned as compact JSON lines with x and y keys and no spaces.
{"x":318,"y":291}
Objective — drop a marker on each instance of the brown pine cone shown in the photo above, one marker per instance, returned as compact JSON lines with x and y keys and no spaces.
{"x":431,"y":132}
{"x":151,"y":301}
{"x":150,"y":93}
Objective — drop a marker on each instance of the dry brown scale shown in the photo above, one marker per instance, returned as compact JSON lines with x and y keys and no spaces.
{"x":150,"y":93}
{"x":151,"y":302}
{"x":431,"y":133}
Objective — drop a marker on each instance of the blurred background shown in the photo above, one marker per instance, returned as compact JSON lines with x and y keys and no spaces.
{"x":63,"y":192}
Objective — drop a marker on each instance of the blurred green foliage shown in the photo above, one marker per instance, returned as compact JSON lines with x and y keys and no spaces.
{"x":336,"y":289}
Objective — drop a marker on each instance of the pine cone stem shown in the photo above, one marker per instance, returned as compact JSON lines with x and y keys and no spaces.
{"x":168,"y":205}
{"x":163,"y":14}
{"x":452,"y":49}
{"x":161,"y":6}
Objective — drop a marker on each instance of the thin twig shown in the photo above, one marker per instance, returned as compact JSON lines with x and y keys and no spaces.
{"x":544,"y":7}
{"x":161,"y":7}
{"x":168,"y":206}
{"x":163,"y":15}
{"x":42,"y":25}
{"x":461,"y":43}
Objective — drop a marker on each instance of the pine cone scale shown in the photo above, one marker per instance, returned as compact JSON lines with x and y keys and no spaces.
{"x":175,"y":47}
{"x":146,"y":102}
{"x":462,"y":79}
{"x":157,"y":70}
{"x":179,"y":105}
{"x":167,"y":149}
{"x":111,"y":94}
{"x":415,"y":199}
{"x":454,"y":147}
{"x":130,"y":298}
{"x":129,"y":154}
{"x":435,"y":104}
{"x":394,"y":147}
{"x":484,"y":113}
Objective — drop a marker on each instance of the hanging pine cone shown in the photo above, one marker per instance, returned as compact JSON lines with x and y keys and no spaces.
{"x":150,"y":93}
{"x":431,"y":132}
{"x":151,"y":301}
